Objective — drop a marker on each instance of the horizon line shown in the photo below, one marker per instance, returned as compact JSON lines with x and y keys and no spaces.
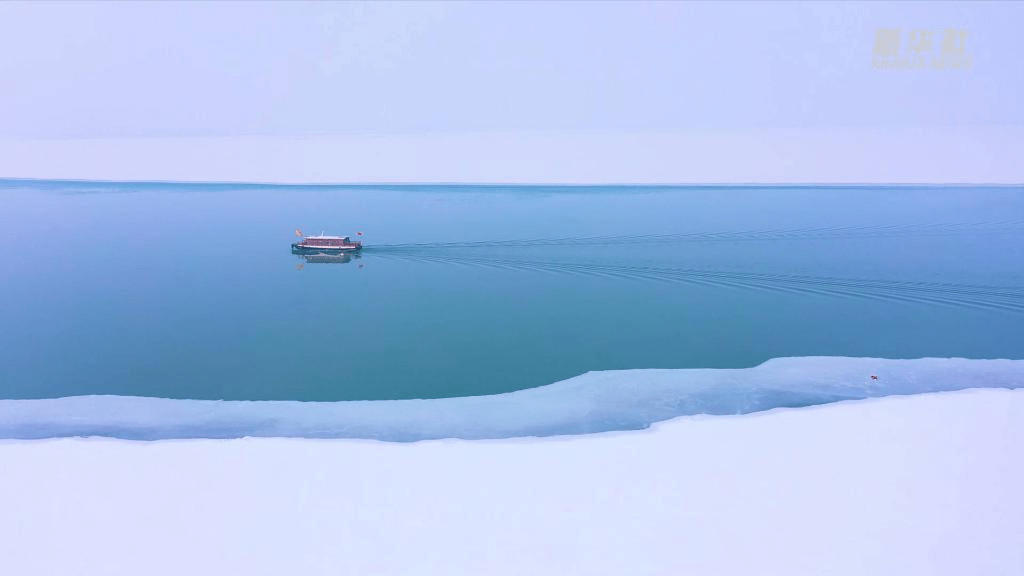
{"x":6,"y":179}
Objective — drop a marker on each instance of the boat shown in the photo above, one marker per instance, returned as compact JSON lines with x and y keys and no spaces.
{"x":325,"y":244}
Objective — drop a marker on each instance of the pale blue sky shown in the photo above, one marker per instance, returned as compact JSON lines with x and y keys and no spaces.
{"x":206,"y":68}
{"x":284,"y":69}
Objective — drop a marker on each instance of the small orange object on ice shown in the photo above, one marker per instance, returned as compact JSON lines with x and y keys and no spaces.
{"x":873,"y":377}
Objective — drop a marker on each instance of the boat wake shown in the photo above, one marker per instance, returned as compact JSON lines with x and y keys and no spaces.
{"x":1001,"y":298}
{"x":592,"y":402}
{"x":1014,"y":227}
{"x":517,"y":255}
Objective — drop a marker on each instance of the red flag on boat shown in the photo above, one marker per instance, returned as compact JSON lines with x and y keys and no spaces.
{"x":873,"y":377}
{"x":298,"y":233}
{"x":359,"y":233}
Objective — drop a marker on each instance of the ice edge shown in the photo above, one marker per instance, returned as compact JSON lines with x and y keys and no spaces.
{"x":601,"y":401}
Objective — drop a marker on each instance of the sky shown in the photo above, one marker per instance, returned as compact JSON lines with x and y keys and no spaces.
{"x":125,"y":90}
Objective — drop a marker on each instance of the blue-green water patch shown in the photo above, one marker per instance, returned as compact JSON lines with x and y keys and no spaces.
{"x":190,"y":291}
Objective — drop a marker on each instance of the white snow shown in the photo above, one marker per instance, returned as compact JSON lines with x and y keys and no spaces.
{"x":923,"y":484}
{"x":592,"y":402}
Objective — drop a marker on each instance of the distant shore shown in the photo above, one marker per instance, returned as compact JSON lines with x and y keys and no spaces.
{"x":86,"y":183}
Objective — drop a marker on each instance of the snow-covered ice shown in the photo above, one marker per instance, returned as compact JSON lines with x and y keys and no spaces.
{"x":923,"y":484}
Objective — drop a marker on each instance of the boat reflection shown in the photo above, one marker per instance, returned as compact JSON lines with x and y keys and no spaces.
{"x":326,"y":257}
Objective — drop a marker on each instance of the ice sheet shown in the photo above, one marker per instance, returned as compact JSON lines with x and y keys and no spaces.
{"x":592,"y":402}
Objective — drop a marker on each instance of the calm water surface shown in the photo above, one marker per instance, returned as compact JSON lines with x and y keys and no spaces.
{"x":190,"y":291}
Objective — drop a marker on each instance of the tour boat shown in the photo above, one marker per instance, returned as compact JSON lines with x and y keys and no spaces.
{"x":325,"y":244}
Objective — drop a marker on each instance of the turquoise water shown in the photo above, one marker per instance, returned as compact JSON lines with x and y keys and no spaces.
{"x":190,"y":291}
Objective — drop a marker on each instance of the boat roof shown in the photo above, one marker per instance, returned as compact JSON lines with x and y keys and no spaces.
{"x":329,"y":237}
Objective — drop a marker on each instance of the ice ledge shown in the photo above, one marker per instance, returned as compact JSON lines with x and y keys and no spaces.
{"x":592,"y":402}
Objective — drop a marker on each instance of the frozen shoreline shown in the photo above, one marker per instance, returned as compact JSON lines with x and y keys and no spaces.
{"x":593,"y":402}
{"x":921,"y":484}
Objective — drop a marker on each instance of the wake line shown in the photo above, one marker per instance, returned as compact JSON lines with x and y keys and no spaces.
{"x":822,"y":233}
{"x":1003,"y":298}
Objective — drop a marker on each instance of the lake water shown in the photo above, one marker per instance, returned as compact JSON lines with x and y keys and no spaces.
{"x":191,"y":291}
